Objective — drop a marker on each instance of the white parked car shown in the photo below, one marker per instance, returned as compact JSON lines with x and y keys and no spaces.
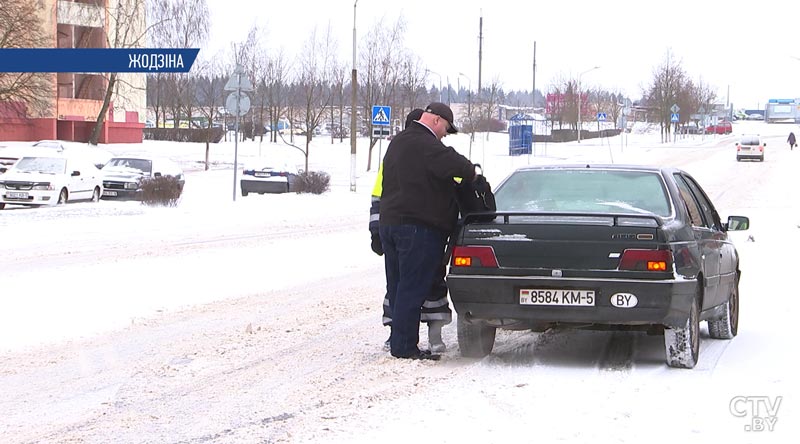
{"x":122,"y":175}
{"x":50,"y":179}
{"x":98,"y":156}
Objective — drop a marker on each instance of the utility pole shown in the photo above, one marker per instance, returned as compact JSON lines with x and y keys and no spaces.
{"x":533,"y":90}
{"x":480,"y":51}
{"x":354,"y":85}
{"x":533,"y":103}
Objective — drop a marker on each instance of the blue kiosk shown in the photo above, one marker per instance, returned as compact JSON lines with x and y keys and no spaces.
{"x":520,"y":135}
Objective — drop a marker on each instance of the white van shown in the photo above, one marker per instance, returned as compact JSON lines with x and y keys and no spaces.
{"x":45,"y":177}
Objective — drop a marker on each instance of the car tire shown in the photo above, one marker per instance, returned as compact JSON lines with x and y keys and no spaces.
{"x":475,"y":339}
{"x":2,"y":205}
{"x":245,"y":193}
{"x":62,"y":196}
{"x":727,"y":326}
{"x":738,"y":159}
{"x":683,"y":343}
{"x":96,"y":194}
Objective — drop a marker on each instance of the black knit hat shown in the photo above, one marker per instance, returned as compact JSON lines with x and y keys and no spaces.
{"x":415,"y":114}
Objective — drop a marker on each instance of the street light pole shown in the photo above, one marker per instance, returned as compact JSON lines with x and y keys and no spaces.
{"x":354,"y":87}
{"x":580,"y":100}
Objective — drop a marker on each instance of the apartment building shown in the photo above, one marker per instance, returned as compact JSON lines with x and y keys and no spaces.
{"x":78,"y":97}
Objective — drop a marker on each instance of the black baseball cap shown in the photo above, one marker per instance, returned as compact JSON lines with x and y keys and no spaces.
{"x":443,"y":111}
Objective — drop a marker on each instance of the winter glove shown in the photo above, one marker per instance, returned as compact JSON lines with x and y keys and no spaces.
{"x":376,"y":243}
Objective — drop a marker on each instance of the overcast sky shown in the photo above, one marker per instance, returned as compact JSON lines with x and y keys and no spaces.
{"x":747,"y":51}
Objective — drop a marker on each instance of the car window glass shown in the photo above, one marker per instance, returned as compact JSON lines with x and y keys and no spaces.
{"x":49,"y":165}
{"x":584,"y":190}
{"x":709,"y":214}
{"x":749,"y":140}
{"x":691,"y":204}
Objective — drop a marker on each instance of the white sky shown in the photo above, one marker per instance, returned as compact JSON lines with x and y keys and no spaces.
{"x":747,"y":47}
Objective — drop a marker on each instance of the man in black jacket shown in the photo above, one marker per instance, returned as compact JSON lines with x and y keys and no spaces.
{"x":436,"y":309}
{"x":416,"y":210}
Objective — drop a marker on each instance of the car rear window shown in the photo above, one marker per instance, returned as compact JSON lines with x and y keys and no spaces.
{"x":749,"y":140}
{"x":584,"y":190}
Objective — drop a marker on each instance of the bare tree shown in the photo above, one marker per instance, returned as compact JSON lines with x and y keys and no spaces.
{"x":491,"y":97}
{"x":277,"y":90}
{"x":380,"y":69}
{"x":668,"y":81}
{"x":24,"y":94}
{"x":211,"y":95}
{"x":317,"y":64}
{"x":126,"y":29}
{"x":178,"y":24}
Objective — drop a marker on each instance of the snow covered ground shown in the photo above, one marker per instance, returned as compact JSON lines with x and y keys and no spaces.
{"x":258,"y":320}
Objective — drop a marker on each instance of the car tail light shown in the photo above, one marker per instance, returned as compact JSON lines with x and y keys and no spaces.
{"x":474,"y":256}
{"x":761,"y":148}
{"x":645,"y":260}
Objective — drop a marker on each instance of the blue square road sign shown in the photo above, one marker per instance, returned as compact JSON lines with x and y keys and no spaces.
{"x":381,"y":115}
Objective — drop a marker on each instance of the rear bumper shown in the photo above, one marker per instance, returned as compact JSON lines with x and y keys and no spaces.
{"x":262,"y":186}
{"x":660,"y":302}
{"x":749,"y":155}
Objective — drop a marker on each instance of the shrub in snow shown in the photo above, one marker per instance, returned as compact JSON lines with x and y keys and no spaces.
{"x":161,"y":191}
{"x":316,"y":182}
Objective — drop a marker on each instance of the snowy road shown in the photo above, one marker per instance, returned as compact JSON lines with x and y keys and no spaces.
{"x":259,"y":322}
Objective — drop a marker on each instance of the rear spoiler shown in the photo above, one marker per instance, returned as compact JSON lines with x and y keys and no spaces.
{"x":616,"y":219}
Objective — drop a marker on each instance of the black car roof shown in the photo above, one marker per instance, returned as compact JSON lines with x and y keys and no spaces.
{"x":655,"y":169}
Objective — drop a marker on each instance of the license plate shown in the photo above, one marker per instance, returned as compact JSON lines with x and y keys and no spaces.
{"x":263,"y":174}
{"x":550,"y":296}
{"x":17,"y":195}
{"x":109,"y":193}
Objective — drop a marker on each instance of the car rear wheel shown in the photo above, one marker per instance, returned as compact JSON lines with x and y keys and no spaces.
{"x":475,"y":340}
{"x":2,"y":205}
{"x":62,"y":196}
{"x":727,"y":326}
{"x":683,"y":343}
{"x":245,"y":193}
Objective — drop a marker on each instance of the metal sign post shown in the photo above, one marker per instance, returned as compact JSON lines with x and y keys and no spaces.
{"x":237,"y":103}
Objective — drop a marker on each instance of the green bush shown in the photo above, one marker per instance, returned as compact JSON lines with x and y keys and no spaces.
{"x":161,"y":191}
{"x":315,"y":182}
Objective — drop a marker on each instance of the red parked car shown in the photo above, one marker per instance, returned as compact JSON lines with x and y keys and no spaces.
{"x":723,"y":127}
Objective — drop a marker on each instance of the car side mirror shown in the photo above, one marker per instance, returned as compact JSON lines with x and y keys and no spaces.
{"x":737,"y":143}
{"x":765,"y":144}
{"x":737,"y":223}
{"x":3,"y":169}
{"x":76,"y":173}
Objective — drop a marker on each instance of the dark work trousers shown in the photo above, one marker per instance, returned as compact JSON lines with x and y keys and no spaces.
{"x":412,"y":257}
{"x":436,"y":308}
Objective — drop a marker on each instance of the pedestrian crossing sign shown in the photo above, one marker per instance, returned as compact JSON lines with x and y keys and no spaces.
{"x":381,"y":115}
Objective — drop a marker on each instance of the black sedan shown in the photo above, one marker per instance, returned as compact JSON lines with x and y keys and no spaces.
{"x":598,"y":247}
